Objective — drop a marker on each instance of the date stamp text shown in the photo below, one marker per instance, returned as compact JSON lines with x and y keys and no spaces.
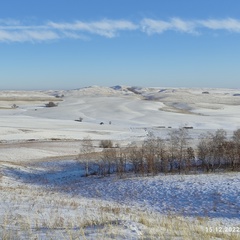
{"x":223,"y":229}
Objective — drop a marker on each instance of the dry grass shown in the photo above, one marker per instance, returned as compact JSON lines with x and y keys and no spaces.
{"x":29,"y":212}
{"x":46,"y":216}
{"x":172,"y":226}
{"x":150,"y":226}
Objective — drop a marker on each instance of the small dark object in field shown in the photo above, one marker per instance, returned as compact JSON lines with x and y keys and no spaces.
{"x":79,"y":120}
{"x":51,"y":104}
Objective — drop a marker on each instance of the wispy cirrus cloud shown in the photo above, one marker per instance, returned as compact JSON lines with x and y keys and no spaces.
{"x":106,"y":28}
{"x":151,"y":26}
{"x":55,"y":30}
{"x":229,"y":24}
{"x":27,"y":35}
{"x":14,"y":31}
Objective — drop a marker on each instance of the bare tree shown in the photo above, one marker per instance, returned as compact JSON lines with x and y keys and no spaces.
{"x":236,"y":136}
{"x":162,"y":159}
{"x":190,"y":159}
{"x":121,"y":161}
{"x":108,"y":161}
{"x":211,"y":149}
{"x":218,"y":140}
{"x":85,"y":149}
{"x":136,"y":158}
{"x":230,"y":154}
{"x":203,"y":150}
{"x":236,"y":140}
{"x":150,"y":152}
{"x":178,"y":142}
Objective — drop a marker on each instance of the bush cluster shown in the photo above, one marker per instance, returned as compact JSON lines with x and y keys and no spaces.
{"x":214,"y":152}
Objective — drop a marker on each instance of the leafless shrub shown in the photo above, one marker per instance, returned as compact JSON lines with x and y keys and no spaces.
{"x":106,"y":144}
{"x":14,"y":106}
{"x":51,"y":104}
{"x":79,"y":120}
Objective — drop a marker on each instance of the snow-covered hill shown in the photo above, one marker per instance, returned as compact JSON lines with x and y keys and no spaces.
{"x":124,"y":107}
{"x":42,"y":191}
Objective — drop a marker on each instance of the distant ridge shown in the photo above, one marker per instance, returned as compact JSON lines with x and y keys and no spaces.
{"x":117,"y":87}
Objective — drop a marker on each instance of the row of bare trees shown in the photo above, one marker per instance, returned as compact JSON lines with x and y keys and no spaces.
{"x":214,"y":151}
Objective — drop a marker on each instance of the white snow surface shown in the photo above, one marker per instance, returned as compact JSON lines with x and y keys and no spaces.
{"x":132,"y":112}
{"x":206,"y":195}
{"x":124,"y":108}
{"x":39,"y":145}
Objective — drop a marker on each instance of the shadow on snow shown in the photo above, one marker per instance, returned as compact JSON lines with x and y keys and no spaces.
{"x":163,"y":194}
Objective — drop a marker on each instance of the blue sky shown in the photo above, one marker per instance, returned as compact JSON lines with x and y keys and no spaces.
{"x":67,"y":44}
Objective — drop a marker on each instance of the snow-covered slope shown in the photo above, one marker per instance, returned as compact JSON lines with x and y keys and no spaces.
{"x":41,"y":182}
{"x":127,"y":113}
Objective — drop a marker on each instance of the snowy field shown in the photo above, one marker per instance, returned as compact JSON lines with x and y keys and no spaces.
{"x":44,"y":194}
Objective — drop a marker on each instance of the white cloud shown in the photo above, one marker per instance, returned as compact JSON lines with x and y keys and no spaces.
{"x":27,"y":36}
{"x":151,"y":26}
{"x":13,"y":31}
{"x":229,"y":24}
{"x":183,"y":26}
{"x":73,"y":35}
{"x":40,"y":35}
{"x":106,"y":28}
